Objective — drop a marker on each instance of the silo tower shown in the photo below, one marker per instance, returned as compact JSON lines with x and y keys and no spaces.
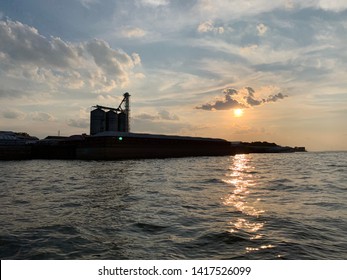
{"x":97,"y":121}
{"x":124,"y":115}
{"x":127,"y":111}
{"x":116,"y":119}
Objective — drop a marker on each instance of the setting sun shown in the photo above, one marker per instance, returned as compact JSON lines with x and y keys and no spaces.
{"x":238,"y":113}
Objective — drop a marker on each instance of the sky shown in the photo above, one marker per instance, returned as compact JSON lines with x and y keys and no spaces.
{"x":187,"y":64}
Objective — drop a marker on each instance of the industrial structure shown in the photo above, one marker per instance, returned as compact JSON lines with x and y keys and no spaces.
{"x":111,"y":119}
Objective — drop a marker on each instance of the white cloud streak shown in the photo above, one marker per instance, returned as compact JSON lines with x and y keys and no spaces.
{"x":155,"y":3}
{"x":225,"y":9}
{"x":133,"y":32}
{"x":208,"y":26}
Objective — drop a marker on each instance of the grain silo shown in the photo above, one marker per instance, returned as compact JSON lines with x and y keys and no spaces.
{"x":122,"y":122}
{"x":111,"y":121}
{"x":116,"y":119}
{"x":97,"y":121}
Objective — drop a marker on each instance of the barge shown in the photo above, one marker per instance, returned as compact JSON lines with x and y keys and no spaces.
{"x":126,"y":145}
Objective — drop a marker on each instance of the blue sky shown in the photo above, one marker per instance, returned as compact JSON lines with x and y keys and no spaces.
{"x":186,"y":64}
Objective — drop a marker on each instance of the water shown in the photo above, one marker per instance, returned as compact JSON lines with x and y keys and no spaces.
{"x":258,"y":206}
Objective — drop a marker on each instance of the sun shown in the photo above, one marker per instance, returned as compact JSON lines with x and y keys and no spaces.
{"x":238,"y":113}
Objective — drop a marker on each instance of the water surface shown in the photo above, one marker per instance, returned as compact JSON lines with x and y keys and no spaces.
{"x":257,"y":206}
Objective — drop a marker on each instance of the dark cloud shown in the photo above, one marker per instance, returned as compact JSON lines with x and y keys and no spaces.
{"x":250,"y":99}
{"x":227,"y":103}
{"x":247,"y":100}
{"x":274,"y":98}
{"x":230,"y":91}
{"x":250,"y":91}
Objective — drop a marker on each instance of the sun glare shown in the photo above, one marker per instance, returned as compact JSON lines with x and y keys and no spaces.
{"x":238,"y":113}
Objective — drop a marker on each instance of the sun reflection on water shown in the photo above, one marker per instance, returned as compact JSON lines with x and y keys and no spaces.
{"x":241,"y":179}
{"x":242,"y":182}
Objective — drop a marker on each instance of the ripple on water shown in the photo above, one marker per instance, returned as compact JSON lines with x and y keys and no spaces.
{"x":261,"y":206}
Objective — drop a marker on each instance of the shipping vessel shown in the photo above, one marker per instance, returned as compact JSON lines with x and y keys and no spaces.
{"x":126,"y":145}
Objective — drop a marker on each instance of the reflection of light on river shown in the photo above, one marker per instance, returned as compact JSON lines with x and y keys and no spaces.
{"x":242,"y":181}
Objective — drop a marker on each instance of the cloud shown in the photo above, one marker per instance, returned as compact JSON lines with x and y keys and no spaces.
{"x":244,"y":98}
{"x":332,"y":5}
{"x":225,"y":104}
{"x":251,"y":99}
{"x":13,"y":114}
{"x":79,"y":123}
{"x":262,"y":29}
{"x":208,"y":26}
{"x":42,"y":116}
{"x":13,"y":93}
{"x":165,"y":115}
{"x":24,"y":45}
{"x":155,"y":3}
{"x":88,"y":3}
{"x":133,"y":32}
{"x":274,"y":98}
{"x":223,"y":10}
{"x":136,"y":59}
{"x":161,"y":115}
{"x":146,"y":117}
{"x":93,"y":65}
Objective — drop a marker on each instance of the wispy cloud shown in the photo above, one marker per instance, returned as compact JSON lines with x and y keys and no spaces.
{"x":79,"y":123}
{"x":208,"y":26}
{"x":42,"y":117}
{"x":133,"y":32}
{"x":155,"y":3}
{"x":165,"y":115}
{"x":88,"y":3}
{"x":162,"y":115}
